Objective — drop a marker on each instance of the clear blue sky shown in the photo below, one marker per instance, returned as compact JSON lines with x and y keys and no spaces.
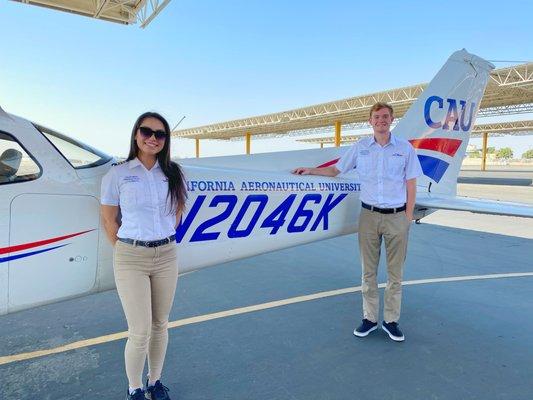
{"x":214,"y":61}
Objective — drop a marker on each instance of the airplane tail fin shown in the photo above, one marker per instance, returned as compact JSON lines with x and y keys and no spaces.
{"x":439,"y":122}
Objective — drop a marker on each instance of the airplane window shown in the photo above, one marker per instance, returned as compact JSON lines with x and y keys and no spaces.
{"x":78,"y":154}
{"x":16,"y":165}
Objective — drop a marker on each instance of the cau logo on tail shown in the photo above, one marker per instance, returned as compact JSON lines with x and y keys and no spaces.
{"x":455,"y":119}
{"x":459,"y":117}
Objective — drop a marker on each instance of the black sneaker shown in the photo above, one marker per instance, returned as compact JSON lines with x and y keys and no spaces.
{"x":393,"y":330}
{"x":137,"y":395}
{"x":365,"y":328}
{"x":157,"y":392}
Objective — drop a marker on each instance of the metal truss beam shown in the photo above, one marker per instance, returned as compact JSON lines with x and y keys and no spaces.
{"x":149,"y":11}
{"x":120,"y":11}
{"x":514,"y":128}
{"x":506,"y":110}
{"x":520,"y":76}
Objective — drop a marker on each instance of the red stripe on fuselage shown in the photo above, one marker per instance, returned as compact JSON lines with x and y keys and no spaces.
{"x":446,"y":146}
{"x":332,"y":162}
{"x":19,"y":247}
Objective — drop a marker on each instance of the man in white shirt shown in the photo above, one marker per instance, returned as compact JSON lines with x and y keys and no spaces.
{"x":388,"y":168}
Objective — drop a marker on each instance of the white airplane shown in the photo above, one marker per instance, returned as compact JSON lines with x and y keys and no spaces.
{"x":52,"y":242}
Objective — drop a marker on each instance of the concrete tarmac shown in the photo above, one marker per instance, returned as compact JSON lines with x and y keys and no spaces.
{"x":497,"y":192}
{"x":497,"y":175}
{"x":466,"y":315}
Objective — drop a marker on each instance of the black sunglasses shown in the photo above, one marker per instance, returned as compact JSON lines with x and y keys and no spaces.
{"x":148,"y":133}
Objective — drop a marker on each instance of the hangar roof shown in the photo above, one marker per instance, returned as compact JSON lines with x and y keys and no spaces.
{"x":121,"y":11}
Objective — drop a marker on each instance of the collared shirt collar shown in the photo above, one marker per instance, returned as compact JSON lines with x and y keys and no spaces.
{"x":136,"y":162}
{"x":391,"y":141}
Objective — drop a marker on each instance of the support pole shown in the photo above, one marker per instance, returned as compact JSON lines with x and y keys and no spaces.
{"x":197,"y":148}
{"x":337,"y":133}
{"x":321,"y":145}
{"x":484,"y":152}
{"x":248,"y":141}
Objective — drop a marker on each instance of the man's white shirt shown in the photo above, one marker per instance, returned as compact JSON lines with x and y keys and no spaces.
{"x":383,"y":170}
{"x":142,"y":197}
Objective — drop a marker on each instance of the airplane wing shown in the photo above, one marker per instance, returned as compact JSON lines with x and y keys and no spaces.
{"x":482,"y":206}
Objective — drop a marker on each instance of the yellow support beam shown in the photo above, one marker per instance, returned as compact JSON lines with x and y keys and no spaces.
{"x":484,"y":152}
{"x":248,"y":142}
{"x":197,"y":148}
{"x":337,"y":133}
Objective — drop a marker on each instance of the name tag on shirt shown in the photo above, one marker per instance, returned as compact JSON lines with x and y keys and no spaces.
{"x":131,"y":178}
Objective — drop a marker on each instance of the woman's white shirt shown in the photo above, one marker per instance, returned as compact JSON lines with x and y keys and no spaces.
{"x":142,"y":196}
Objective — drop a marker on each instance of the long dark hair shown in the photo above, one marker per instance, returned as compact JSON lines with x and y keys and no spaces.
{"x":177,"y":190}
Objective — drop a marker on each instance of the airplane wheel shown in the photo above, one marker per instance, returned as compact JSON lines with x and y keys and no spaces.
{"x":417,"y":221}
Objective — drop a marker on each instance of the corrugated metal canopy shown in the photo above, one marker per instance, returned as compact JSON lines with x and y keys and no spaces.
{"x":509,"y":91}
{"x":120,"y":11}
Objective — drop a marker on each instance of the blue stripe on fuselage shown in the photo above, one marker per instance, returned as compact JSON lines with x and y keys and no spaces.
{"x":5,"y":259}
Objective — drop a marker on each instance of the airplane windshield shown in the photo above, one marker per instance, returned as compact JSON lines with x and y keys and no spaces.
{"x":78,"y":154}
{"x":16,"y":164}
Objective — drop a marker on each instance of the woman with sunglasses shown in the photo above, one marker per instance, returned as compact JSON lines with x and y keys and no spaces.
{"x":148,"y":191}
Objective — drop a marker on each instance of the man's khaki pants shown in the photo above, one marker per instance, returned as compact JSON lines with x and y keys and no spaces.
{"x":146,"y":280}
{"x":394,"y":229}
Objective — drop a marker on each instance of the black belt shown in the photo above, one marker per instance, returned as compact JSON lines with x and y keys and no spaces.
{"x":151,"y":243}
{"x":383,"y":210}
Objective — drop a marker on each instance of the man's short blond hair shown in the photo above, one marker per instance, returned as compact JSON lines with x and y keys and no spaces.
{"x":379,"y":105}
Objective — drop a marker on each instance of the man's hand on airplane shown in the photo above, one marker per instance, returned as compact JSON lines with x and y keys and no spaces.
{"x":302,"y":171}
{"x":325,"y":171}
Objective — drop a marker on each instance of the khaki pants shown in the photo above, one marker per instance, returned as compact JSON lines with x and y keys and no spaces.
{"x":394,"y":228}
{"x":146,"y":282}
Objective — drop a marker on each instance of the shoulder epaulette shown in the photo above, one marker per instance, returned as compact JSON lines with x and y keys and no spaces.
{"x":119,"y":163}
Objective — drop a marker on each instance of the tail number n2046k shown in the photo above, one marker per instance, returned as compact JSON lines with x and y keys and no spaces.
{"x":255,"y":204}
